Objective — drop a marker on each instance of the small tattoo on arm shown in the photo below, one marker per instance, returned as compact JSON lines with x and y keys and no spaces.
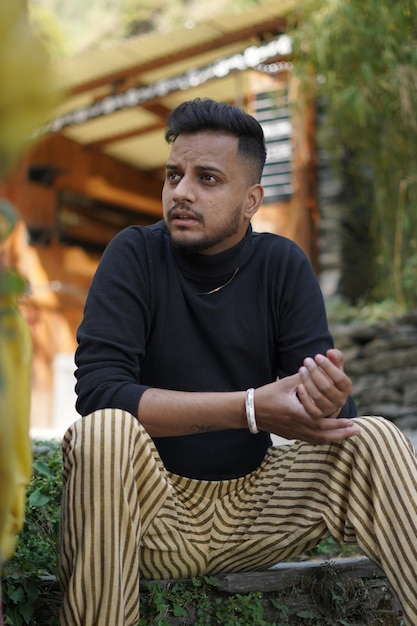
{"x":199,"y":428}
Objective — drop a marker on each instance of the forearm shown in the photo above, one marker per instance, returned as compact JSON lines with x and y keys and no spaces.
{"x":278,"y":409}
{"x":166,"y":413}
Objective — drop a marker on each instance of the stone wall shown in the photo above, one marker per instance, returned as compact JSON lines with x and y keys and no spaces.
{"x":381,"y":359}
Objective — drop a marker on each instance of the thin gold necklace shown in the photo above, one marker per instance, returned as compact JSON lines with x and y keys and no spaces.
{"x":207,"y":293}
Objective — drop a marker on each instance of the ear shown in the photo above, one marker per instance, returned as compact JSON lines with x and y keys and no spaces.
{"x":255,"y":196}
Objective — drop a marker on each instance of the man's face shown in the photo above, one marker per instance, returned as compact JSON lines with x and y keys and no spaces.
{"x":207,"y":200}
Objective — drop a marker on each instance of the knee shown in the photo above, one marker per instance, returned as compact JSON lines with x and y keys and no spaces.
{"x":103,"y":430}
{"x":379,"y":434}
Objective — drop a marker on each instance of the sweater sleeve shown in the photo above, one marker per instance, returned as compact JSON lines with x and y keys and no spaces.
{"x":112,"y":335}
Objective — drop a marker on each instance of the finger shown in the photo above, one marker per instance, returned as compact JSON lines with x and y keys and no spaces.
{"x":319,"y":381}
{"x":339,"y":434}
{"x":325,"y":425}
{"x":314,"y":402}
{"x":319,"y":430}
{"x":336,"y":357}
{"x":336,"y":374}
{"x":322,"y":397}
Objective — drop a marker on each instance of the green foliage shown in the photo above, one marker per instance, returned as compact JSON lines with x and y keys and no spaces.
{"x":7,"y":218}
{"x":364,"y":59}
{"x":331,"y":596}
{"x":199,"y":602}
{"x":48,"y":30}
{"x":36,"y":555}
{"x":329,"y":548}
{"x":20,"y":595}
{"x":338,"y":311}
{"x":11,"y":284}
{"x":71,"y":27}
{"x":37,"y":549}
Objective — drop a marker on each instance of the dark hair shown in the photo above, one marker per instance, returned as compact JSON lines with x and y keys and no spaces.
{"x":205,"y":114}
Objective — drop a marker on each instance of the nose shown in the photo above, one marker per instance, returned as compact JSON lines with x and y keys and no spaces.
{"x":184,"y":191}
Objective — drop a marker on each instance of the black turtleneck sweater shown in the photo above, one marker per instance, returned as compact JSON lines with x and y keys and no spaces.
{"x":149,"y":322}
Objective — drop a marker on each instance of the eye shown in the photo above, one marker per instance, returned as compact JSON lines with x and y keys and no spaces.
{"x":209,"y":178}
{"x":173,"y":177}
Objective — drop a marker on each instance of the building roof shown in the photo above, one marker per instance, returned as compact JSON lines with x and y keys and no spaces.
{"x":117,"y":98}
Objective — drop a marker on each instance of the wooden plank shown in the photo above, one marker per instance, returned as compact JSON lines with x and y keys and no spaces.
{"x":285,"y":575}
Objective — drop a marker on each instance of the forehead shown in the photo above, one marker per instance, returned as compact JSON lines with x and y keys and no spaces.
{"x":204,"y":148}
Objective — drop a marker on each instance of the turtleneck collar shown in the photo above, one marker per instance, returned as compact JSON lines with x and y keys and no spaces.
{"x":207,"y":266}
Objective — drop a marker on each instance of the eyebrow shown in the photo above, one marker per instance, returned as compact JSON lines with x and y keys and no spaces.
{"x":201,"y":168}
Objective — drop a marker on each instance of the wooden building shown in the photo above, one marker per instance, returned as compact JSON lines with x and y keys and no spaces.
{"x":98,"y":165}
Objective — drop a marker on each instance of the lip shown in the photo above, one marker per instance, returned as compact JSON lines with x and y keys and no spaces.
{"x":181,"y":217}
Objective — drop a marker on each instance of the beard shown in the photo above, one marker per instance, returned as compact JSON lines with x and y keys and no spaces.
{"x":205,"y":242}
{"x":194,"y":247}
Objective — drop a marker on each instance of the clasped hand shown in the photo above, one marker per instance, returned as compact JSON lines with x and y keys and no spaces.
{"x":305,"y":406}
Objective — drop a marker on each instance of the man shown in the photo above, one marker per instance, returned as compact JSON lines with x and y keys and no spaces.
{"x":201,"y":338}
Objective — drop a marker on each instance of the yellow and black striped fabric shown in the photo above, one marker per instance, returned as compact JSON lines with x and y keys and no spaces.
{"x":125,"y":517}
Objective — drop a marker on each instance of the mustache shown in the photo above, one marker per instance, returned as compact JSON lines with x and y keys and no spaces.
{"x":179,"y":207}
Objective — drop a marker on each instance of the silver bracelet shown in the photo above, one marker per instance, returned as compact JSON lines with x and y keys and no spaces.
{"x":250,"y":411}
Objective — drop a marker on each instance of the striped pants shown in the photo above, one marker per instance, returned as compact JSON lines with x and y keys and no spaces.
{"x":124,"y":516}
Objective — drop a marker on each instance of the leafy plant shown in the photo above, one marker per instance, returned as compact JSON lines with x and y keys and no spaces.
{"x":199,"y":602}
{"x":360,"y":59}
{"x":330,"y":549}
{"x":331,"y":595}
{"x":36,"y":555}
{"x":21,"y":594}
{"x":37,"y":549}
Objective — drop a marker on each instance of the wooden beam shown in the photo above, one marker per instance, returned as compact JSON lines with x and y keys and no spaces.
{"x":272,"y":27}
{"x":153,"y":106}
{"x":101,"y":143}
{"x":98,"y":188}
